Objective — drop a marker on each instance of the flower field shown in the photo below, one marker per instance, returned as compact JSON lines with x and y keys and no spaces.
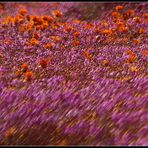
{"x":74,"y":73}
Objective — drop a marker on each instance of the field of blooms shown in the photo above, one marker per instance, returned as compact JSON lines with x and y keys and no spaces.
{"x":74,"y":73}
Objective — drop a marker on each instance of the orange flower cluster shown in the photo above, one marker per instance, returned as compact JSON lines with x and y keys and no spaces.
{"x":87,"y":55}
{"x":68,"y":29}
{"x":108,"y":32}
{"x":48,"y":19}
{"x":76,"y":43}
{"x":128,"y":14}
{"x":56,"y":38}
{"x":34,"y":41}
{"x":24,"y":70}
{"x":116,"y":15}
{"x":49,"y":45}
{"x":132,"y":56}
{"x":136,"y":41}
{"x":77,"y":34}
{"x":89,"y":26}
{"x":19,"y":19}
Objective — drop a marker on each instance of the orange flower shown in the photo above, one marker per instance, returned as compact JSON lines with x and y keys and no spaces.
{"x":87,"y":55}
{"x":68,"y":29}
{"x":28,"y":76}
{"x":132,"y":56}
{"x":29,"y":27}
{"x":134,"y":69}
{"x":113,"y":30}
{"x":145,"y":15}
{"x":125,"y":40}
{"x":77,"y":34}
{"x":120,"y":24}
{"x":105,"y":24}
{"x":105,"y":62}
{"x":43,"y":63}
{"x":76,"y":43}
{"x":19,"y":19}
{"x":136,"y":41}
{"x":145,"y":52}
{"x":45,"y":25}
{"x":57,"y":13}
{"x":56,"y":38}
{"x":57,"y":24}
{"x":131,"y":59}
{"x":97,"y":29}
{"x":20,"y":16}
{"x":89,"y":26}
{"x":38,"y":23}
{"x":8,"y":19}
{"x":23,"y":12}
{"x":141,"y":30}
{"x":35,"y":18}
{"x":24,"y":67}
{"x":34,"y":41}
{"x":49,"y":19}
{"x":116,"y":15}
{"x":107,"y":32}
{"x":8,"y":41}
{"x":129,"y":52}
{"x":38,"y":27}
{"x":10,"y":132}
{"x":137,"y":19}
{"x":49,"y":45}
{"x":123,"y":29}
{"x":119,"y":8}
{"x":128,"y":14}
{"x":76,"y":21}
{"x":54,"y":27}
